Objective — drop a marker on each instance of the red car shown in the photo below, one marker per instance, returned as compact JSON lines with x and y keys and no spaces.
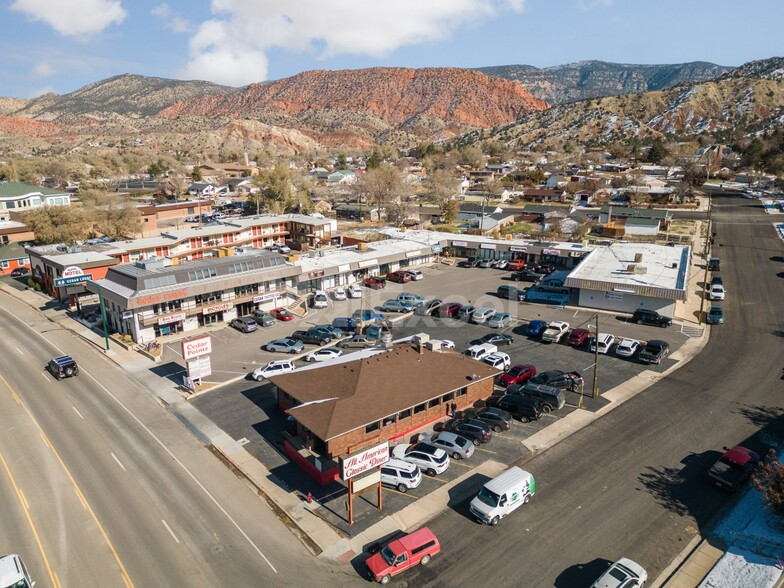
{"x":578,"y":337}
{"x":399,"y":277}
{"x":403,"y":553}
{"x":449,"y":309}
{"x":518,"y":374}
{"x":375,"y":282}
{"x":281,"y":314}
{"x":516,"y":265}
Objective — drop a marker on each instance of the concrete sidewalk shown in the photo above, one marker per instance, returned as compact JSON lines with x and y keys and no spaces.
{"x":692,"y":565}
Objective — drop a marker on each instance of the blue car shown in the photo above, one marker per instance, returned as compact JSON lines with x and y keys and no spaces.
{"x":716,"y":315}
{"x":536,"y":328}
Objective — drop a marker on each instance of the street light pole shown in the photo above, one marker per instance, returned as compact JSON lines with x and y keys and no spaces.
{"x":596,"y":360}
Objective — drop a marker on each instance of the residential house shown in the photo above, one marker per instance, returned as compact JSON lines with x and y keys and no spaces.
{"x":618,"y":222}
{"x":544,"y":195}
{"x":12,"y":256}
{"x":232,"y":170}
{"x":15,"y":232}
{"x":356,"y":211}
{"x":555,"y":181}
{"x":16,"y":198}
{"x":343,"y":176}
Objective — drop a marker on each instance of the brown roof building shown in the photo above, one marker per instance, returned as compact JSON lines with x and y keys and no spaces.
{"x":345,"y":406}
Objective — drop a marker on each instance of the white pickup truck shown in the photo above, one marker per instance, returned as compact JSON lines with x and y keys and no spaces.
{"x":555,"y":331}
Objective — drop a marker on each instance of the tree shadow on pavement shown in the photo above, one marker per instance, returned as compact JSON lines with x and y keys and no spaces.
{"x":582,"y":574}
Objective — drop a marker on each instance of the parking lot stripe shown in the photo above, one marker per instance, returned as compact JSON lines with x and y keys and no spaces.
{"x":437,"y":479}
{"x":406,"y":494}
{"x":485,"y":450}
{"x":460,"y":462}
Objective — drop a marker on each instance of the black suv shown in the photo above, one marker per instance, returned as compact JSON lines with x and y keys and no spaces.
{"x":650,"y":317}
{"x":520,"y":407}
{"x":498,"y":419}
{"x":63,"y":366}
{"x":716,"y":281}
{"x":527,"y":275}
{"x":714,"y":264}
{"x":474,"y":429}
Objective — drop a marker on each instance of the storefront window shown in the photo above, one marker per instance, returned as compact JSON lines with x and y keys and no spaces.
{"x":209,"y":297}
{"x":434,"y":403}
{"x":372,"y":427}
{"x":404,"y":414}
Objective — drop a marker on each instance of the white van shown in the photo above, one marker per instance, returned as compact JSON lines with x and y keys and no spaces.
{"x":479,"y":352}
{"x":502,"y":495}
{"x":13,"y":573}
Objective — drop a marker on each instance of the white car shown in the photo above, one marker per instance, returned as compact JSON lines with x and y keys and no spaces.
{"x":499,"y":320}
{"x":320,"y":299}
{"x":339,"y":293}
{"x":447,"y":344}
{"x":624,"y":573}
{"x":498,"y":360}
{"x":717,"y":292}
{"x":354,"y":291}
{"x":401,"y":475}
{"x":428,"y":458}
{"x":606,"y":341}
{"x":415,"y":274}
{"x":502,"y":264}
{"x":273,"y":368}
{"x":323,"y":354}
{"x":627,"y":347}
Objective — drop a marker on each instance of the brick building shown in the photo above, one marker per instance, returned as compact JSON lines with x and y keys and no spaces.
{"x":347,"y":405}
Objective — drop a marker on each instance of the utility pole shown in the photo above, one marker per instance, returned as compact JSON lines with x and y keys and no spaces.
{"x":706,"y":251}
{"x":596,"y":359}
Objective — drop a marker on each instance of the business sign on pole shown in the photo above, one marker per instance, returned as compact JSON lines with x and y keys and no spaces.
{"x":361,"y":462}
{"x":199,"y":367}
{"x":372,"y":478}
{"x":196,"y":347}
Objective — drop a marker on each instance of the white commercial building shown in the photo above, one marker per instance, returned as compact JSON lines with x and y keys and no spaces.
{"x":627,"y":276}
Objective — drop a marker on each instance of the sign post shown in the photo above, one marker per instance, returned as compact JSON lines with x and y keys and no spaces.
{"x":196,"y":353}
{"x":361,"y":463}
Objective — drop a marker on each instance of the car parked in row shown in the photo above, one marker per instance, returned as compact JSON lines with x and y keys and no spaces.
{"x":319,"y":299}
{"x":263,"y":318}
{"x":312,"y":336}
{"x":627,"y":347}
{"x":415,"y":274}
{"x":448,"y":310}
{"x":485,"y":263}
{"x":402,"y":475}
{"x":498,"y":360}
{"x":414,"y":300}
{"x":428,"y":307}
{"x":555,"y":331}
{"x":354,"y":291}
{"x":501,"y":264}
{"x":522,"y":408}
{"x":578,"y":337}
{"x":394,"y":305}
{"x":481,"y":315}
{"x":535,"y":328}
{"x":331,"y":330}
{"x":400,"y":277}
{"x":477,"y":431}
{"x":245,"y":324}
{"x":510,"y":293}
{"x":518,"y":374}
{"x":496,"y":418}
{"x":499,"y":320}
{"x":527,"y":275}
{"x":493,"y":339}
{"x":358,"y":342}
{"x":428,"y":458}
{"x":715,"y":315}
{"x":285,"y":345}
{"x":456,"y":446}
{"x":654,"y":351}
{"x":549,"y":397}
{"x":375,"y":282}
{"x":282,"y":314}
{"x":716,"y":292}
{"x":604,"y":341}
{"x":339,"y":294}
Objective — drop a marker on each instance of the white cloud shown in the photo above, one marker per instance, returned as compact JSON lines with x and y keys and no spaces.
{"x":73,"y":18}
{"x":171,"y":21}
{"x":586,"y":5}
{"x":232,"y":47}
{"x":43,"y":69}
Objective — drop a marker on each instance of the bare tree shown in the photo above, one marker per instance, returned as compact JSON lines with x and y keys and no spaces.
{"x":57,"y":224}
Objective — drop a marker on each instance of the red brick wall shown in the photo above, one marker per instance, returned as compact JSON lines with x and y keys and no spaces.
{"x":358,"y":438}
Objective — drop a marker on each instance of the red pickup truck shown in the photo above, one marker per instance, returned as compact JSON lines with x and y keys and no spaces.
{"x":403,"y":553}
{"x":516,"y":265}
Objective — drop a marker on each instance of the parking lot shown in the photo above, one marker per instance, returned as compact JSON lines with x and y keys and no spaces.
{"x":247,"y":410}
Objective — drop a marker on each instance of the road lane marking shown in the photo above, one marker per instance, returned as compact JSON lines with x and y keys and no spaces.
{"x":168,"y":528}
{"x":163,"y":446}
{"x":81,"y":498}
{"x":77,"y":412}
{"x":190,"y":474}
{"x":118,"y":463}
{"x":19,"y":350}
{"x":43,"y":375}
{"x":23,"y":498}
{"x":23,"y":501}
{"x":78,"y":491}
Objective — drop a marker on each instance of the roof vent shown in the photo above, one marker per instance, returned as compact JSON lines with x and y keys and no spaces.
{"x":637,"y":257}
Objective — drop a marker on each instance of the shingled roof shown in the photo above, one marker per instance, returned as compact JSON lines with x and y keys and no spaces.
{"x":336,"y":399}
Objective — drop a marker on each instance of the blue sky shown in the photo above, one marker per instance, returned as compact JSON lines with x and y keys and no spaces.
{"x":62,"y":45}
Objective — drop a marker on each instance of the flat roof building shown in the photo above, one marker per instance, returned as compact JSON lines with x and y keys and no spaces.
{"x":627,"y":276}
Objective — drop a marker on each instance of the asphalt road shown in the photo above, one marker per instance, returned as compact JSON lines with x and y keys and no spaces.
{"x":100,"y":486}
{"x":632,"y":484}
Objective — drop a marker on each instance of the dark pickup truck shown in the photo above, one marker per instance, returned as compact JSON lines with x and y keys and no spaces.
{"x":314,"y":336}
{"x":654,"y":351}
